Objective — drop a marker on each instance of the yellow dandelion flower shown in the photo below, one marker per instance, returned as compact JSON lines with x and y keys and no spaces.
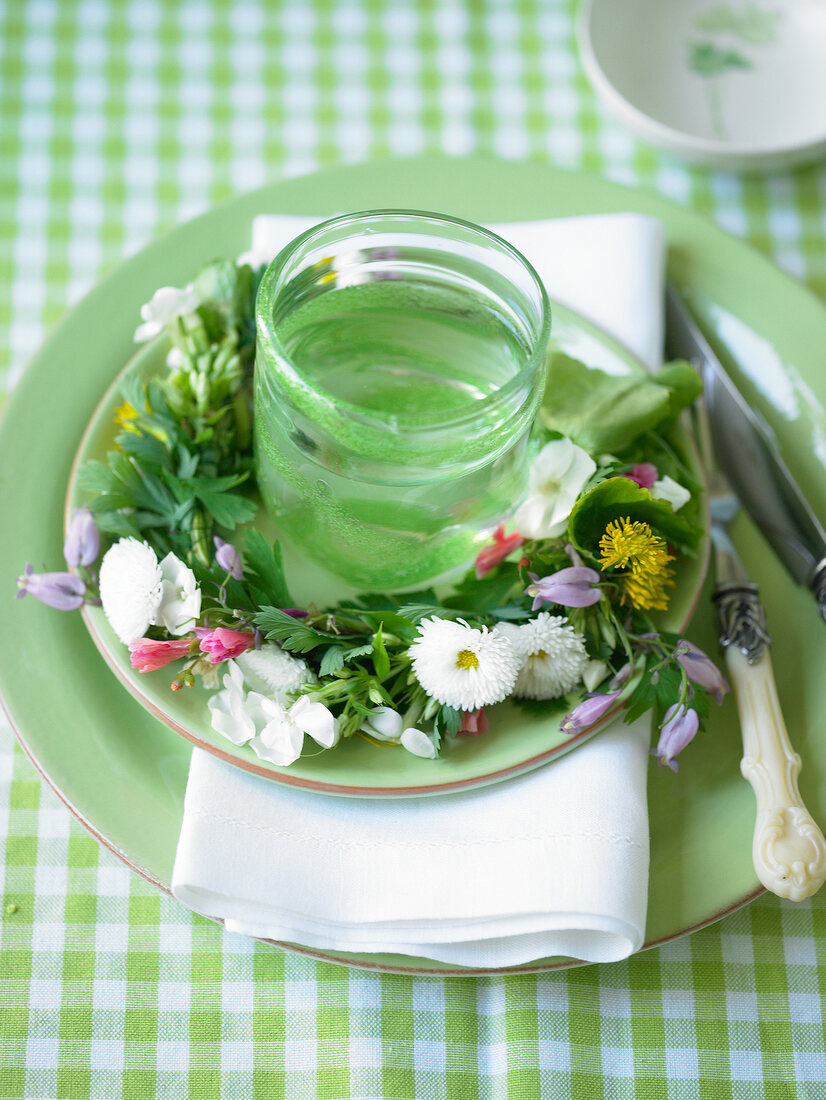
{"x":647,"y":592}
{"x":633,"y":546}
{"x":124,"y":414}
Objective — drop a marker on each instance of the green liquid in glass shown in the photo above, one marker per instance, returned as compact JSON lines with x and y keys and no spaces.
{"x":391,"y":508}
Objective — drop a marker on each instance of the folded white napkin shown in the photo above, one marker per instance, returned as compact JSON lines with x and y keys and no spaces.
{"x":551,"y":863}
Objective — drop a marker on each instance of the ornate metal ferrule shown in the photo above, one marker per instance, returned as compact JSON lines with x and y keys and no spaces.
{"x":741,"y":619}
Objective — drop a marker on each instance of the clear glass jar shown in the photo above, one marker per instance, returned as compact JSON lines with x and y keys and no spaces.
{"x":399,"y":364}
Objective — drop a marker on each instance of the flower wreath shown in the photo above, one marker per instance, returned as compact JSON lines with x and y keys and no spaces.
{"x":561,"y":604}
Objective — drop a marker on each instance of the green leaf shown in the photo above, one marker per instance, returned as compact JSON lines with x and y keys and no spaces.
{"x":96,"y":477}
{"x":452,"y":720}
{"x":358,"y":651}
{"x":605,"y":413}
{"x":293,"y":634}
{"x":266,"y":562}
{"x":393,"y":621}
{"x":683,"y":383}
{"x":332,"y":661}
{"x":381,"y":661}
{"x":480,"y":597}
{"x":617,"y":498}
{"x":416,"y":612}
{"x":115,"y":523}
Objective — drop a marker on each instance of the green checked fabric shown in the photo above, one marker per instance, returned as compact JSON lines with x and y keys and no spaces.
{"x":119,"y":118}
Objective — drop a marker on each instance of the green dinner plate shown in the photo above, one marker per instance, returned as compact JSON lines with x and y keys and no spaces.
{"x":517,"y":740}
{"x":124,"y":774}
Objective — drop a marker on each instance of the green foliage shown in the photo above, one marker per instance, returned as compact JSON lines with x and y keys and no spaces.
{"x":264,"y":567}
{"x":607,"y":413}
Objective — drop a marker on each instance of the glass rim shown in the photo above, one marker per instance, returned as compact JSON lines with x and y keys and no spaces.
{"x":369,"y":417}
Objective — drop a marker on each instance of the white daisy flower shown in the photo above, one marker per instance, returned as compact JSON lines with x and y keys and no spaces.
{"x":131,"y":588}
{"x":461,"y":667}
{"x":272,"y":671}
{"x":168,"y":302}
{"x":180,"y":599}
{"x":552,"y":654}
{"x":557,"y":476}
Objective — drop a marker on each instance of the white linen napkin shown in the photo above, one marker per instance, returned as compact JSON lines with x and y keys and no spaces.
{"x":554,"y":862}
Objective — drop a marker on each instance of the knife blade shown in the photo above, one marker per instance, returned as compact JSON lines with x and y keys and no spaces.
{"x":744,"y":449}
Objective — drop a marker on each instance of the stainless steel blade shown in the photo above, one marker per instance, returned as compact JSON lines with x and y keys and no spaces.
{"x":744,"y":450}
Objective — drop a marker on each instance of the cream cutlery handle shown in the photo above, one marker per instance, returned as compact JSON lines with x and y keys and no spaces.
{"x":789,"y":850}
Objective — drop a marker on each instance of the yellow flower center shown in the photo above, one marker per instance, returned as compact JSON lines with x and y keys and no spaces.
{"x":540,"y":655}
{"x":466,"y":658}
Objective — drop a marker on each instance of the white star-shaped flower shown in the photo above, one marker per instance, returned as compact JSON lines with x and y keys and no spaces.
{"x":167,"y":303}
{"x":557,"y":476}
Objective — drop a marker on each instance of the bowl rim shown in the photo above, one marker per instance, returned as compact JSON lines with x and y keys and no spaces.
{"x":669,"y":137}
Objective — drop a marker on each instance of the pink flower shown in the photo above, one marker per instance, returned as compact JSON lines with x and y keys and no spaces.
{"x":147,"y":655}
{"x":222,"y":644}
{"x":474,"y":722}
{"x":644,"y":473}
{"x":490,"y":556}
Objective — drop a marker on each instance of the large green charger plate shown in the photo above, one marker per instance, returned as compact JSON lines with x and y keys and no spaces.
{"x":124,"y":774}
{"x":517,"y":741}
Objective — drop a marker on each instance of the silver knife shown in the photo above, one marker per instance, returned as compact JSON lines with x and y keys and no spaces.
{"x":745,"y":450}
{"x":788,"y":848}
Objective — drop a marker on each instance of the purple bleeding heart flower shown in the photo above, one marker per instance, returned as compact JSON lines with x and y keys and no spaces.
{"x":228,"y":558}
{"x":82,"y":544}
{"x":700,"y":669}
{"x":64,"y":591}
{"x":572,"y":587}
{"x":677,"y":730}
{"x":590,"y":710}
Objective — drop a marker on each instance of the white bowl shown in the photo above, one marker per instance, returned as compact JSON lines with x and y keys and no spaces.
{"x":738,"y":85}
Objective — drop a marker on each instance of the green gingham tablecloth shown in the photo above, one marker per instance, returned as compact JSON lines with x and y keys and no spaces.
{"x":117,"y":120}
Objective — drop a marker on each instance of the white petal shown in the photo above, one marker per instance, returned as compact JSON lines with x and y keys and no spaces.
{"x":666,"y":488}
{"x":279,"y":739}
{"x":418,"y":743}
{"x":316,"y":720}
{"x":229,"y":719}
{"x":180,"y":598}
{"x":552,"y":462}
{"x":593,"y":674}
{"x":147,"y":331}
{"x":384,"y":723}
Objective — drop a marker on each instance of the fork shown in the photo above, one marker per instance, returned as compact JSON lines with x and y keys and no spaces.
{"x":788,"y":848}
